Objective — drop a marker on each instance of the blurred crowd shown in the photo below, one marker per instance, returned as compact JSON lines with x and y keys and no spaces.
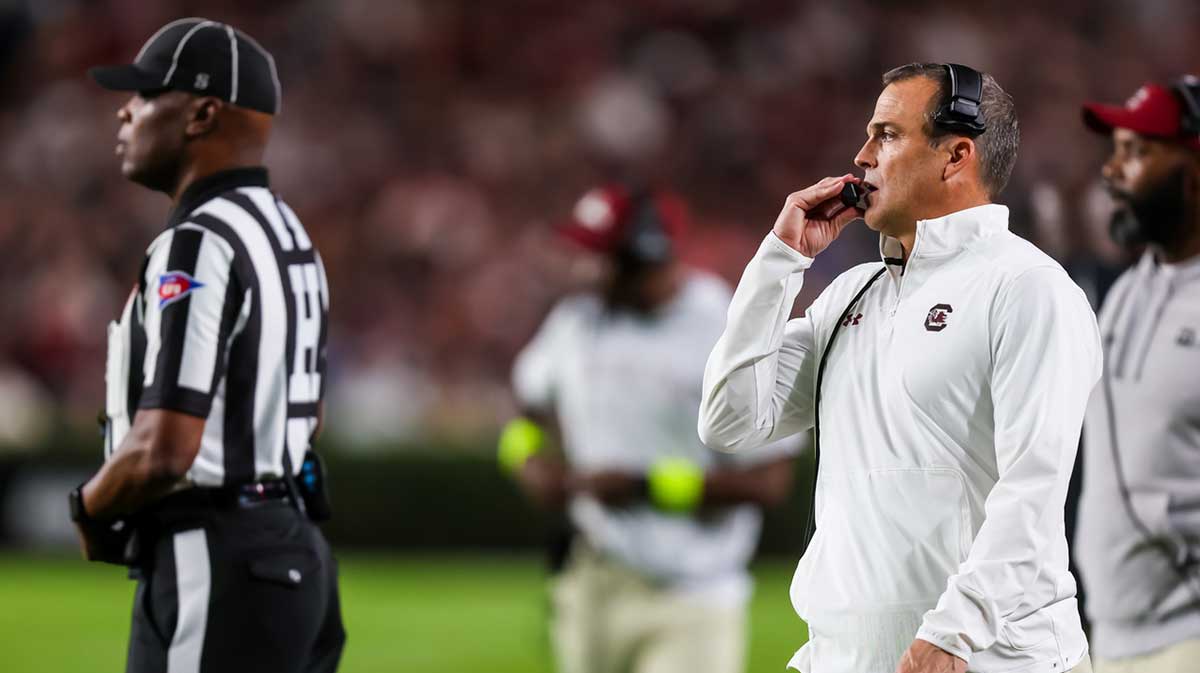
{"x":429,"y":145}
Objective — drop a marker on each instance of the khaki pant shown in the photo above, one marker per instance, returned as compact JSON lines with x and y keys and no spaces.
{"x":1178,"y":658}
{"x":607,"y":619}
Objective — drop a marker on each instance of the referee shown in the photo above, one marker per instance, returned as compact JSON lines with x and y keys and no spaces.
{"x":214,"y":379}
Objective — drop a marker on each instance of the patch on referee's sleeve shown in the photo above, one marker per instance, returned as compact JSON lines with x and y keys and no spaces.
{"x":175,"y":285}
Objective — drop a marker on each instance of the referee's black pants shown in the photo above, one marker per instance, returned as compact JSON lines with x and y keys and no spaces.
{"x":235,"y":589}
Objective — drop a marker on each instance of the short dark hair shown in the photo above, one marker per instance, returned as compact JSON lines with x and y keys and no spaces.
{"x":998,"y":145}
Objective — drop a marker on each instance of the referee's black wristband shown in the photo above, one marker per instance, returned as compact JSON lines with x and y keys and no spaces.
{"x":75,"y":500}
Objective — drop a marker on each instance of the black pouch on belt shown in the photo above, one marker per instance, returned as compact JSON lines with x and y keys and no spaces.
{"x":313,"y":487}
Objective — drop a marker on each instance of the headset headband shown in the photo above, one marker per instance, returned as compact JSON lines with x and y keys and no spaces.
{"x":1187,"y":89}
{"x":645,"y":241}
{"x":961,"y":113}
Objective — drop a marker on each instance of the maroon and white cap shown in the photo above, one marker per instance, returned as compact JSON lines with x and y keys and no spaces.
{"x":603,"y":216}
{"x":1153,"y":110}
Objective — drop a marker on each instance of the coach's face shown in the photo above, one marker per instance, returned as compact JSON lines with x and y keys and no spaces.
{"x":152,"y":138}
{"x":898,"y":159}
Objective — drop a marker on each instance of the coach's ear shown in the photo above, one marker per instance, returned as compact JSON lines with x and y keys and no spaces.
{"x":202,"y":116}
{"x":959,"y":152}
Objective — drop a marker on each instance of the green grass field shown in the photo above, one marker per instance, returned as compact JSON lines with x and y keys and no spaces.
{"x":413,"y":614}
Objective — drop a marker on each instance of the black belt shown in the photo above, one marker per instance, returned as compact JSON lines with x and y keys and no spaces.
{"x":241,"y":496}
{"x":190,"y":507}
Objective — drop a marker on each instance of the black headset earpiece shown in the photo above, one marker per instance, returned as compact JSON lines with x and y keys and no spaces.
{"x":646,"y":243}
{"x":1187,"y":89}
{"x":961,"y":114}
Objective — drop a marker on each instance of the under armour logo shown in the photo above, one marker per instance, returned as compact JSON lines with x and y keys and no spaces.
{"x":1186,"y":338}
{"x":851,"y":320}
{"x":201,"y":81}
{"x":938,"y":315}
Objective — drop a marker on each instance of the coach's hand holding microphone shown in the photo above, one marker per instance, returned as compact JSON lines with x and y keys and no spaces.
{"x":814,"y":216}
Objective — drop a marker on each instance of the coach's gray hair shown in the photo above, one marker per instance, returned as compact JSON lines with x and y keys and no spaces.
{"x":997,"y":146}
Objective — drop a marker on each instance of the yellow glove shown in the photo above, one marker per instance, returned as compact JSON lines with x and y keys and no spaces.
{"x":520,"y":439}
{"x":676,"y":485}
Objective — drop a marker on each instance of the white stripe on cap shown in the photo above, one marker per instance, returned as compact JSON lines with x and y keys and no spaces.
{"x":160,"y":31}
{"x":193,"y":584}
{"x":274,"y":73}
{"x":234,"y":75}
{"x":179,"y":48}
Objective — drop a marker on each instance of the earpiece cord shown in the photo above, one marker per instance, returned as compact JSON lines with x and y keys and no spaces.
{"x":811,"y":528}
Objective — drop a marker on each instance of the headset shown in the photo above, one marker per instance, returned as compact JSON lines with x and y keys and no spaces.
{"x":961,"y":113}
{"x":645,"y":242}
{"x":1187,"y":90}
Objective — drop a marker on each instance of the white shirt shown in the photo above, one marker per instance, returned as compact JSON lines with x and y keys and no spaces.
{"x":625,"y":389}
{"x":950,"y":410}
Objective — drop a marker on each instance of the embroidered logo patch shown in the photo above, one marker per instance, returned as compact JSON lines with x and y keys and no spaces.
{"x":936,"y":321}
{"x":175,"y":285}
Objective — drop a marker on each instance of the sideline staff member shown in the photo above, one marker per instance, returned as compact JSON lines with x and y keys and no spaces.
{"x":214,"y":378}
{"x":656,"y":581}
{"x":947,"y":408}
{"x":1138,"y":518}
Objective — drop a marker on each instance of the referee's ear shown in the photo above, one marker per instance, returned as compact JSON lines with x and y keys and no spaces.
{"x":202,"y":116}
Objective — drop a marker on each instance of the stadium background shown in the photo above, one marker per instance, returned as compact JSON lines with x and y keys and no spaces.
{"x":428,"y":146}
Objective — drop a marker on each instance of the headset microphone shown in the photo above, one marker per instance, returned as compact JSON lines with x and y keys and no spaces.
{"x":855,"y":195}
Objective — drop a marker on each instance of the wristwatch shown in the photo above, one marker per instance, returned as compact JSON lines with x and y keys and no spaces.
{"x":78,"y":512}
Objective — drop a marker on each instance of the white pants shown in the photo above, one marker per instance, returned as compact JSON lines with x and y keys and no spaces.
{"x":1178,"y":658}
{"x":608,"y":619}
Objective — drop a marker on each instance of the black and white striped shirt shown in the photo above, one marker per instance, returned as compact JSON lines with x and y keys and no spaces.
{"x":228,"y":322}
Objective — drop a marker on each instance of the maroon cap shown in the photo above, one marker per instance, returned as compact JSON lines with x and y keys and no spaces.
{"x":603,"y":215}
{"x":1154,"y":111}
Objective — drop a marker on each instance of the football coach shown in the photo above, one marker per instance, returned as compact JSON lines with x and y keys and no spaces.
{"x":947,"y":384}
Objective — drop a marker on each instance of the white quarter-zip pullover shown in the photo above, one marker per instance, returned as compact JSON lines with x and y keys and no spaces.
{"x":1137,"y":602}
{"x":951,"y":408}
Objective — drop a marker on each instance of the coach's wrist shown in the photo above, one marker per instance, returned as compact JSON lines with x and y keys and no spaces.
{"x":788,"y":248}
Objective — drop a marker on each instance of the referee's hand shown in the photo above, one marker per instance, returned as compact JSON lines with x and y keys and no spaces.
{"x":814,"y":216}
{"x":99,"y":541}
{"x":88,"y":542}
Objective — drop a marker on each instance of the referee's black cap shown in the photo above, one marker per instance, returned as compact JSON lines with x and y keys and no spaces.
{"x":204,"y":57}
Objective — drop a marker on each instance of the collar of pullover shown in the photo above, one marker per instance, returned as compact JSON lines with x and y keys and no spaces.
{"x":1185,"y":271}
{"x":946,"y":235}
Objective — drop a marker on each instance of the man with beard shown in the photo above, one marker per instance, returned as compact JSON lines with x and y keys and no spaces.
{"x":1139,"y":518}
